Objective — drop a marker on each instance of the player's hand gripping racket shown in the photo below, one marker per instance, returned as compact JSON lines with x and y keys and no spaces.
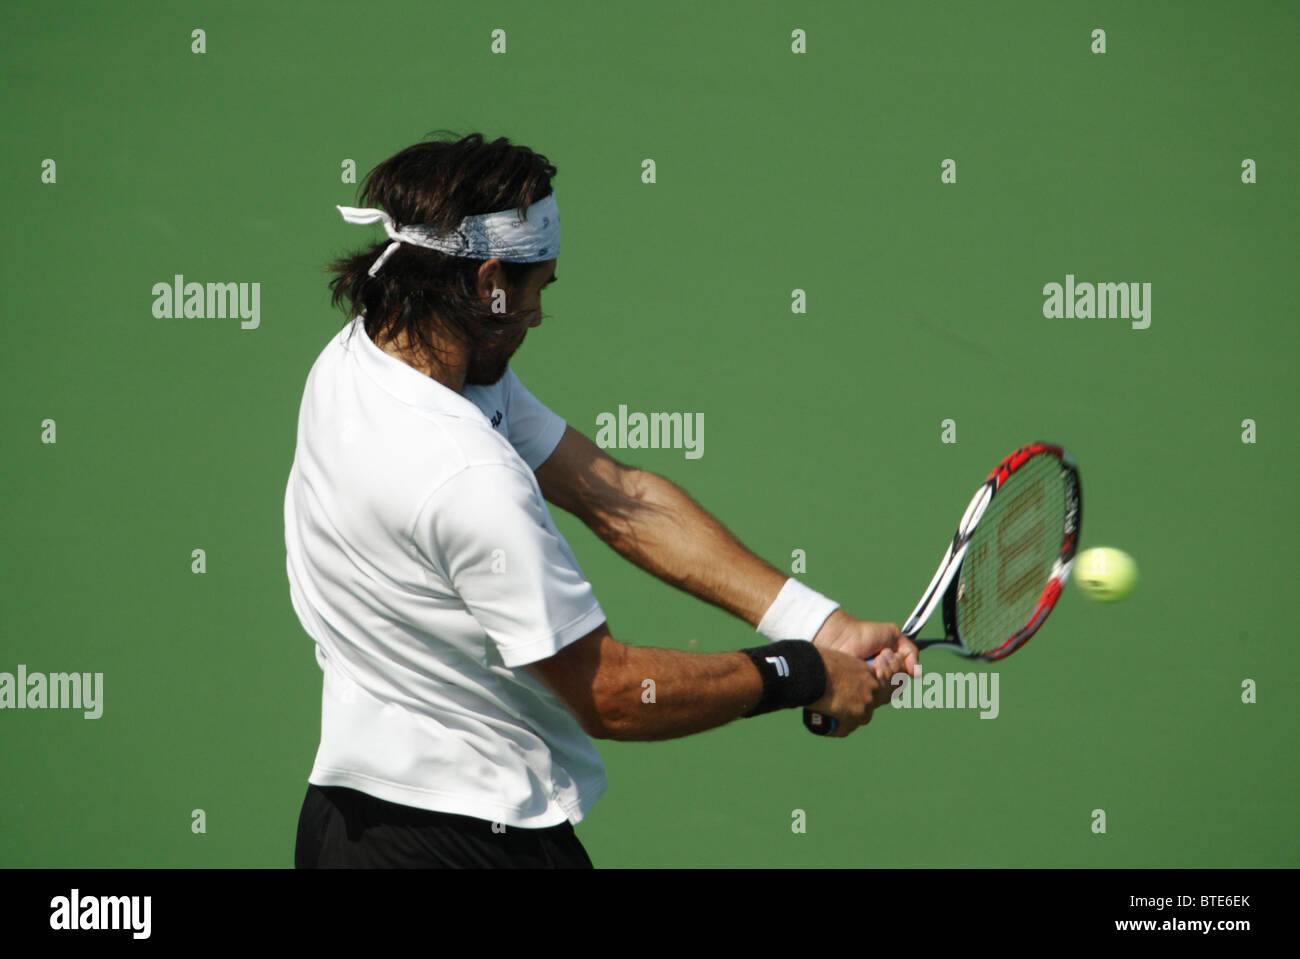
{"x":1007,"y":564}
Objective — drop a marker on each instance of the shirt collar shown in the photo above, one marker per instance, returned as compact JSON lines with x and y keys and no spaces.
{"x":400,"y":379}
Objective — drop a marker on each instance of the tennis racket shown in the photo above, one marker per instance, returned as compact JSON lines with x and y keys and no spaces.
{"x":1007,"y":563}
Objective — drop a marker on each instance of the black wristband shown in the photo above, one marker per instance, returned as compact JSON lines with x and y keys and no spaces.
{"x":793,"y":675}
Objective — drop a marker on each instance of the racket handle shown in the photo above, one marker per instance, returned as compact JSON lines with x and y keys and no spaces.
{"x":820,"y":725}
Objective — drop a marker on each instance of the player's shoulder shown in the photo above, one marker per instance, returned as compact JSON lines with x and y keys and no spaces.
{"x":483,"y":457}
{"x":477,"y":444}
{"x":490,"y":496}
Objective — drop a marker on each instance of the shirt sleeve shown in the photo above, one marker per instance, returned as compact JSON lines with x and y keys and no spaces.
{"x":533,"y":429}
{"x":489,"y":532}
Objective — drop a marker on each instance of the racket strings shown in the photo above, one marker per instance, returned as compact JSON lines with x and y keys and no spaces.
{"x":1010,"y":557}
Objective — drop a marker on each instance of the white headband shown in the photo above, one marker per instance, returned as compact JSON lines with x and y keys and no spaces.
{"x":502,"y":235}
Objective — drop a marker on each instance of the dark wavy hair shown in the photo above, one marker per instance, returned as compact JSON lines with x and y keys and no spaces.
{"x":418,"y":291}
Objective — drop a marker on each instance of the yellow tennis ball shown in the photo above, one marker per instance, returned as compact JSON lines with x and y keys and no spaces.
{"x":1105,"y":574}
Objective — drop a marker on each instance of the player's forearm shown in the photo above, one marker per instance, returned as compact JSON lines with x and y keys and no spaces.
{"x":664,"y":694}
{"x":659,"y":527}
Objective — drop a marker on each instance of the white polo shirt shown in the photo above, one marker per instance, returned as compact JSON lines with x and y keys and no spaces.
{"x":424,"y":563}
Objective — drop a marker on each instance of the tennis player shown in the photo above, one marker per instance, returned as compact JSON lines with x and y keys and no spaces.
{"x":467,"y":665}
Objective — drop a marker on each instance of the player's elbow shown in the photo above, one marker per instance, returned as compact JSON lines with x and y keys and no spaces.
{"x":614,"y":723}
{"x":598,"y":727}
{"x":592,"y":679}
{"x":614,"y":506}
{"x":593,"y":721}
{"x":602,"y":718}
{"x":615,"y":698}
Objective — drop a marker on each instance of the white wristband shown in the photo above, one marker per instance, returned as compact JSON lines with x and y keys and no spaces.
{"x":797,"y":613}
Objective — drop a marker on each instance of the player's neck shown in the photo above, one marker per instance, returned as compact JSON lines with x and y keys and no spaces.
{"x":451,"y":376}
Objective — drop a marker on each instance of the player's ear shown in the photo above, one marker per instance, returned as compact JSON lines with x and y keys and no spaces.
{"x":491,"y":276}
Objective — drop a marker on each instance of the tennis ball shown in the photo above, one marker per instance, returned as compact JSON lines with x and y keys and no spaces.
{"x":1105,"y":574}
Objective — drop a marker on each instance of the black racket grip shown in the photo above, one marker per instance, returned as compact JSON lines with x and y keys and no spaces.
{"x":819,"y":725}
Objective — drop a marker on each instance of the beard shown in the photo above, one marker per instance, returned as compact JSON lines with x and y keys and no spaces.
{"x":489,"y":363}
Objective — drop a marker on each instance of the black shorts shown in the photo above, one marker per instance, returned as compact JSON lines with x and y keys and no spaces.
{"x":344,"y":828}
